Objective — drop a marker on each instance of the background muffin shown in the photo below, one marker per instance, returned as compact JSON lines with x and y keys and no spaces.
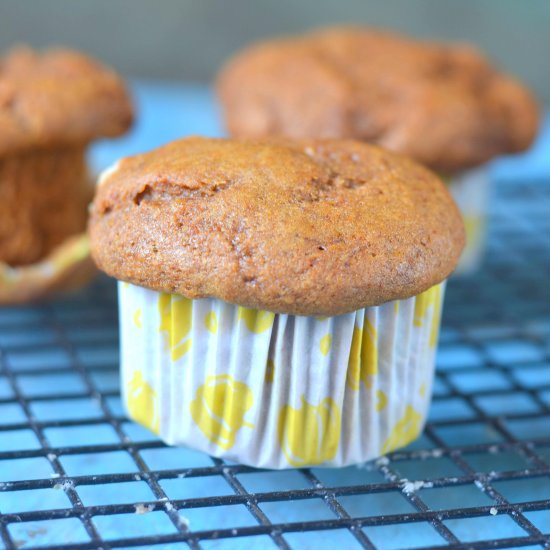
{"x":285,"y":295}
{"x":52,"y":105}
{"x":444,"y":105}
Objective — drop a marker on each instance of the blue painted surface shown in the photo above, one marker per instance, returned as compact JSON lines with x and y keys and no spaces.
{"x":464,"y":388}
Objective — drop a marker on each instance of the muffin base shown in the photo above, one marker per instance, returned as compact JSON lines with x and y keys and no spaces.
{"x":44,"y":199}
{"x":278,"y":391}
{"x":67,"y":268}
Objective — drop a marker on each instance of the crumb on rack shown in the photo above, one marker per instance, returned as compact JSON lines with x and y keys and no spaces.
{"x":143,"y":508}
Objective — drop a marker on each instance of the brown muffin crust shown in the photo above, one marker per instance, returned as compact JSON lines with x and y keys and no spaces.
{"x":59,"y":97}
{"x":45,"y":195}
{"x":313,"y":227}
{"x":444,"y":105}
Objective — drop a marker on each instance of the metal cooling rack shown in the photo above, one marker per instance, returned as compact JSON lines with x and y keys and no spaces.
{"x":75,"y":473}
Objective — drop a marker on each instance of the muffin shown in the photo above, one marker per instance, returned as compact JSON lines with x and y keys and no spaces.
{"x":52,"y":105}
{"x":444,"y":105}
{"x":279,"y":300}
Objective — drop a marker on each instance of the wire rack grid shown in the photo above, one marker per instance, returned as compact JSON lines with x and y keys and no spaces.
{"x":76,"y":474}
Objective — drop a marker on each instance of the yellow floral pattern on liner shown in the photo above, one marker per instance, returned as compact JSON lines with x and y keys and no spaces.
{"x":430,"y":299}
{"x":310,"y":435}
{"x":325,"y":344}
{"x":176,"y":320}
{"x":404,"y":431}
{"x":474,"y":225}
{"x":137,"y":318}
{"x":270,"y":371}
{"x":219,"y":408}
{"x":256,"y":320}
{"x":142,"y":403}
{"x":382,"y":401}
{"x":211,"y":322}
{"x":363,"y":357}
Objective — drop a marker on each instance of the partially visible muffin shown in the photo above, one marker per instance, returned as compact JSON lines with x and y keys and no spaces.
{"x":444,"y":105}
{"x":52,"y":105}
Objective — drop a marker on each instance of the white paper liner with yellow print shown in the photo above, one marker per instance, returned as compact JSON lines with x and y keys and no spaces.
{"x":278,"y":391}
{"x":67,"y":267}
{"x":470,"y":191}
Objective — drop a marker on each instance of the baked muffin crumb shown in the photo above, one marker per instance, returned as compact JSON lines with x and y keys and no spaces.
{"x":290,"y":227}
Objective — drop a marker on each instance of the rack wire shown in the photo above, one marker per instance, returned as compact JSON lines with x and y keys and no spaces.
{"x":76,"y":474}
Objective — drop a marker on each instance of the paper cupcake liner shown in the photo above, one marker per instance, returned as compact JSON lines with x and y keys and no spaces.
{"x":470,"y":190}
{"x":278,"y":391}
{"x":68,"y":267}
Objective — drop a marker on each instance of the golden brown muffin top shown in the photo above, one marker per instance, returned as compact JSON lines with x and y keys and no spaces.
{"x":314,"y":227}
{"x":444,"y":105}
{"x":58,"y":97}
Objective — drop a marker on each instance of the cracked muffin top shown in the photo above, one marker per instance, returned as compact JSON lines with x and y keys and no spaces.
{"x":309,"y":227}
{"x":444,"y":105}
{"x":58,"y":97}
